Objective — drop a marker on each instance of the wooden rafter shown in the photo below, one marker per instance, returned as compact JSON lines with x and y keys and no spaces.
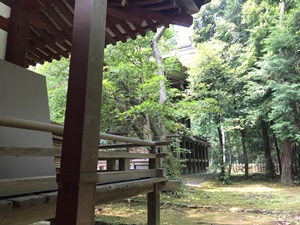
{"x":52,"y":22}
{"x":6,"y":2}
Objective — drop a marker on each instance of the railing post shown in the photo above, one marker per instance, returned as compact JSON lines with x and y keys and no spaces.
{"x":184,"y":169}
{"x":124,"y":164}
{"x":193,"y":145}
{"x":190,"y":157}
{"x":198,"y":157}
{"x":153,"y":198}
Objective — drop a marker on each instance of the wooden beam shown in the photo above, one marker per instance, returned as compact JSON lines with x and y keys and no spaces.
{"x":151,"y":25}
{"x":36,"y":5}
{"x":153,"y":199}
{"x":126,"y":14}
{"x":40,"y":207}
{"x":66,"y":29}
{"x":123,"y":14}
{"x":164,"y":6}
{"x":4,"y":23}
{"x":117,"y":191}
{"x":145,"y":2}
{"x":10,"y":187}
{"x":47,"y":39}
{"x":6,"y":2}
{"x":118,"y":176}
{"x":118,"y":3}
{"x":115,"y":30}
{"x":20,"y":186}
{"x":29,"y":151}
{"x":77,"y":177}
{"x":61,"y":6}
{"x":17,"y":37}
{"x":124,"y":26}
{"x":110,"y":39}
{"x":55,"y":152}
{"x":58,"y":129}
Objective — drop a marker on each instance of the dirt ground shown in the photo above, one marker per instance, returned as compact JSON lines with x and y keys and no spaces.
{"x":204,"y":200}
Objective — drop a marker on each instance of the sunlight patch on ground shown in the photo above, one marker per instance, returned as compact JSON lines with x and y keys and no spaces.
{"x":252,"y":189}
{"x":231,"y":218}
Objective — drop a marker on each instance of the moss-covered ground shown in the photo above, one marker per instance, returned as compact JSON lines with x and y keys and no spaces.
{"x":205,"y":200}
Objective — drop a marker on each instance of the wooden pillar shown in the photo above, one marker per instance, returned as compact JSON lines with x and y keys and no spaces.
{"x":184,"y":169}
{"x":153,"y":198}
{"x":194,"y":156}
{"x":124,"y":164}
{"x":202,"y":157}
{"x":189,"y":157}
{"x":78,"y":174}
{"x":111,"y":165}
{"x":198,"y":158}
{"x":206,"y":158}
{"x":154,"y":206}
{"x":17,"y":37}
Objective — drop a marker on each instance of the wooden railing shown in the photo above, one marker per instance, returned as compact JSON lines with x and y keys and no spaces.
{"x":121,"y":173}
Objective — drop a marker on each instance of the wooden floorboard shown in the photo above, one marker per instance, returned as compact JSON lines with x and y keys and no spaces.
{"x":38,"y":207}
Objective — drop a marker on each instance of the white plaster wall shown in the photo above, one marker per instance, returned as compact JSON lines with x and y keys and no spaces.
{"x":23,"y":95}
{"x":5,"y":12}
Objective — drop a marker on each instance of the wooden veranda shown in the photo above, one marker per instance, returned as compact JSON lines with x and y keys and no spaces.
{"x":35,"y":31}
{"x":195,"y":158}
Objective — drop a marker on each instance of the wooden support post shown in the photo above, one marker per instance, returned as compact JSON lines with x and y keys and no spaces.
{"x":206,"y":157}
{"x":17,"y":37}
{"x":124,"y":164}
{"x":202,"y":158}
{"x":190,"y":157}
{"x":198,"y":158}
{"x":111,"y":165}
{"x":184,"y":169}
{"x":193,"y":144}
{"x":153,"y":198}
{"x":78,"y":173}
{"x":154,"y":206}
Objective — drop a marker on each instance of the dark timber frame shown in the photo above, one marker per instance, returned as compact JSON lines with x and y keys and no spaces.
{"x":196,"y":157}
{"x":77,"y":177}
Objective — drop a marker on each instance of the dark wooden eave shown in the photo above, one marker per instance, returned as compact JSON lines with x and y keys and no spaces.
{"x":51,"y":22}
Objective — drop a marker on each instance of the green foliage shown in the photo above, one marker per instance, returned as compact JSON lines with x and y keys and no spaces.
{"x":131,"y":87}
{"x":57,"y":74}
{"x":247,"y":60}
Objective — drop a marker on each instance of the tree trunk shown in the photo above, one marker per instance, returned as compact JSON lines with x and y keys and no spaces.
{"x":267,"y":149}
{"x":161,"y":72}
{"x":243,"y":135}
{"x":278,"y":153}
{"x":229,"y":154}
{"x":222,"y":147}
{"x":159,"y":62}
{"x":286,"y":176}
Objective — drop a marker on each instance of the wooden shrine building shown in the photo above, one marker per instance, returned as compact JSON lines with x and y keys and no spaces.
{"x":35,"y":31}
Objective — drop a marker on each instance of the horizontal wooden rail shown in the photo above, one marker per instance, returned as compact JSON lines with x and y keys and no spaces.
{"x":55,"y":152}
{"x":57,"y":129}
{"x":31,"y":208}
{"x":128,"y":155}
{"x":29,"y":151}
{"x":157,"y":143}
{"x":10,"y":187}
{"x":13,"y":187}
